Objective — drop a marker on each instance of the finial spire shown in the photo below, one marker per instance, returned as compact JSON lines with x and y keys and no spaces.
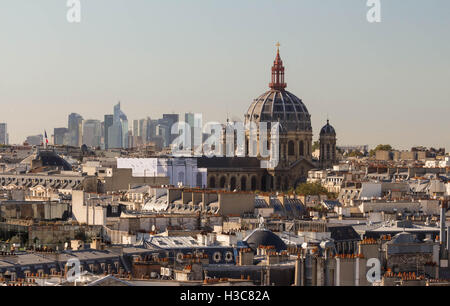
{"x":278,"y":72}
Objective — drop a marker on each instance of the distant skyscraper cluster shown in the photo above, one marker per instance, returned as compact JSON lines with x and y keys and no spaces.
{"x":116,"y":132}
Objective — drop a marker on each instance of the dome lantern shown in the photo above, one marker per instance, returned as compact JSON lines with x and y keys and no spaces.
{"x":278,"y":72}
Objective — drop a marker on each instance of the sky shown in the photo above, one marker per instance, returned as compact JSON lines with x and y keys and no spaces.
{"x":386,"y":82}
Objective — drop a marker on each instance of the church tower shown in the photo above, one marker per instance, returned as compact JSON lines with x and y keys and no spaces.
{"x":327,"y":146}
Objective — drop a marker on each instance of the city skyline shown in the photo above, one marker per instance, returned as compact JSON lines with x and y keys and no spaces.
{"x":213,"y":145}
{"x":393,"y":91}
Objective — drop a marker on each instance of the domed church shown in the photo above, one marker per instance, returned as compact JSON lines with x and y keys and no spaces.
{"x":277,"y":105}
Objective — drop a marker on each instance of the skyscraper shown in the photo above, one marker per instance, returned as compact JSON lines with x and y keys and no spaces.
{"x":167,"y":121}
{"x":151,"y":129}
{"x":92,"y":133}
{"x":195,"y":122}
{"x":75,"y":130}
{"x":59,"y":135}
{"x":118,"y":132}
{"x":35,"y":140}
{"x":136,"y":130}
{"x":143,"y":130}
{"x":109,"y":120}
{"x":3,"y":134}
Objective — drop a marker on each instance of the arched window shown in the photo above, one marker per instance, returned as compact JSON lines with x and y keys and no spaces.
{"x":263,"y":183}
{"x":222,"y":182}
{"x":301,"y":148}
{"x":243,"y":183}
{"x":328,"y":151}
{"x":253,"y":183}
{"x":233,"y":183}
{"x":291,"y":150}
{"x":212,"y":182}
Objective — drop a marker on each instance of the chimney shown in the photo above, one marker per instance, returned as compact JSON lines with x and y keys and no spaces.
{"x":299,"y":271}
{"x":448,"y":239}
{"x":442,"y":234}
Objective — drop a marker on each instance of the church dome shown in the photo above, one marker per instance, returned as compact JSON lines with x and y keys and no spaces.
{"x":264,"y":237}
{"x":327,"y":130}
{"x":279,"y":105}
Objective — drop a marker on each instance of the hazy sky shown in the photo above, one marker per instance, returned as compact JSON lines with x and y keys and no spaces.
{"x":379,"y":83}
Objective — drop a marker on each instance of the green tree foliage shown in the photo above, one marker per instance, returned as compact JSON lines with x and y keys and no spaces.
{"x":315,"y":146}
{"x":355,"y":154}
{"x":381,"y":147}
{"x":311,"y":189}
{"x":314,"y":189}
{"x":80,"y":235}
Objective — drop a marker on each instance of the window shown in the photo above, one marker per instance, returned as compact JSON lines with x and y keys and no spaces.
{"x":253,"y":183}
{"x":291,"y":150}
{"x":301,"y":148}
{"x":243,"y":183}
{"x":233,"y":183}
{"x":199,"y":179}
{"x":212,"y":182}
{"x":181,"y":177}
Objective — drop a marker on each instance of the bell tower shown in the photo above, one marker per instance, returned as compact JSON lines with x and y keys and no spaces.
{"x":327,"y":146}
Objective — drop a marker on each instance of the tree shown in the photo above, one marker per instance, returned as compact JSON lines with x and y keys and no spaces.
{"x":315,"y":146}
{"x":80,"y":235}
{"x":311,"y":189}
{"x":314,"y":189}
{"x":380,"y":147}
{"x":355,"y":154}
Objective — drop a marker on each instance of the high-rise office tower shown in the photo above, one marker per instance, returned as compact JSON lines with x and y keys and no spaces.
{"x":195,"y":123}
{"x":170,"y":120}
{"x":35,"y":140}
{"x":75,"y":130}
{"x":109,"y":120}
{"x":59,"y":135}
{"x":162,"y":132}
{"x":118,"y":132}
{"x":151,"y":129}
{"x":92,"y":133}
{"x":136,"y":129}
{"x":3,"y":134}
